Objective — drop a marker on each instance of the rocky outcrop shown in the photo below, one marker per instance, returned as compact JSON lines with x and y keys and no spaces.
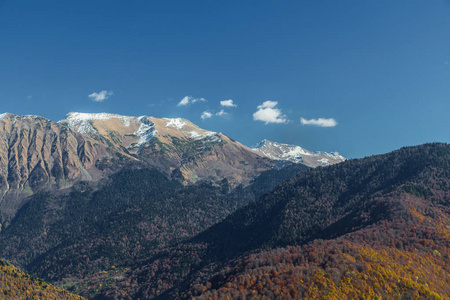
{"x":36,"y":154}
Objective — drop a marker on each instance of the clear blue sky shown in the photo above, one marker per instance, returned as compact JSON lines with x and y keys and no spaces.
{"x":380,"y":69}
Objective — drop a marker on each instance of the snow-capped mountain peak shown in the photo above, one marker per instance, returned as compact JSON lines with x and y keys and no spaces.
{"x":296,"y":154}
{"x":173,"y":145}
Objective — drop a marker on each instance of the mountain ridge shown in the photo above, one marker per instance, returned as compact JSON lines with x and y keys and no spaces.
{"x":37,"y":153}
{"x":296,"y":154}
{"x":175,"y":146}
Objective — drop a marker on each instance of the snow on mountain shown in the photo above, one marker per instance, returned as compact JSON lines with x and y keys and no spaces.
{"x":173,"y":145}
{"x":135,"y":132}
{"x":175,"y":122}
{"x":196,"y":135}
{"x":296,"y":154}
{"x":146,"y":131}
{"x":82,"y":122}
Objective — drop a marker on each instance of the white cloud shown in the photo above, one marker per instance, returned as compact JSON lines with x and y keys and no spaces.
{"x":100,"y":97}
{"x":322,"y":122}
{"x":185,"y":101}
{"x":221,"y":113}
{"x":268,"y":113}
{"x":189,"y":100}
{"x":228,"y":103}
{"x":206,"y":115}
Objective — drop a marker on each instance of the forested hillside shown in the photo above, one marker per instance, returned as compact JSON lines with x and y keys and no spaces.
{"x":377,"y":227}
{"x":374,"y":227}
{"x":15,"y":284}
{"x":68,"y":237}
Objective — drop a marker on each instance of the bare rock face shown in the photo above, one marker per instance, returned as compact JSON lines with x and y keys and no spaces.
{"x":175,"y":146}
{"x":36,"y":154}
{"x":297,"y":154}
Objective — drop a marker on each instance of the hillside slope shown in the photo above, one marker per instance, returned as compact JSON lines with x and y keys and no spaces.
{"x":15,"y":284}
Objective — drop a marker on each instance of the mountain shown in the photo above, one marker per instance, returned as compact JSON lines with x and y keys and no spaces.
{"x":15,"y":284}
{"x":296,"y":154}
{"x":39,"y":154}
{"x":373,"y":227}
{"x":36,"y":154}
{"x":175,"y":146}
{"x":102,"y":200}
{"x":377,"y":227}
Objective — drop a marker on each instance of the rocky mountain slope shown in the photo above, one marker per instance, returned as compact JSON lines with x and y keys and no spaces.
{"x":36,"y":153}
{"x":296,"y":154}
{"x":175,"y":146}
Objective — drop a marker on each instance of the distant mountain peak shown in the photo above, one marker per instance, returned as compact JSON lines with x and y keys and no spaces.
{"x":296,"y":154}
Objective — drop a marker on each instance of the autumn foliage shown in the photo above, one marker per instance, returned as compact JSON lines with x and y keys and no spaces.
{"x":15,"y":284}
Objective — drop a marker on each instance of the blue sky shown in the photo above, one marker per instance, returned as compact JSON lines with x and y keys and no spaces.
{"x":379,"y":71}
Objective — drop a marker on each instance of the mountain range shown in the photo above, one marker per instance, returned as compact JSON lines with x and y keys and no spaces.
{"x":116,"y":207}
{"x":37,"y":153}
